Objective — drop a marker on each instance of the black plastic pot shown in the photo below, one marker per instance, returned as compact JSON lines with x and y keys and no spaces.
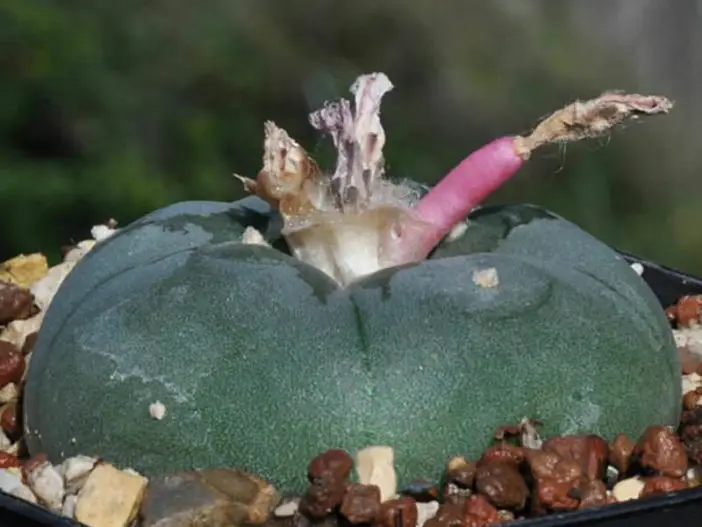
{"x":681,"y":509}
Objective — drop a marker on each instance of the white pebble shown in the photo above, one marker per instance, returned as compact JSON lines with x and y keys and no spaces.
{"x":17,"y":331}
{"x":101,"y":232}
{"x":23,"y":492}
{"x":5,"y":442}
{"x":375,"y":466}
{"x":9,"y":392}
{"x":69,"y":506}
{"x":157,"y":410}
{"x":457,"y":232}
{"x":530,"y":435}
{"x":287,"y":509}
{"x":486,"y":278}
{"x":46,"y":482}
{"x":693,"y":477}
{"x":612,"y":474}
{"x":426,"y":511}
{"x":45,"y":289}
{"x":638,"y":268}
{"x":79,"y":251}
{"x":690,"y":383}
{"x":689,"y":338}
{"x":76,"y":467}
{"x":8,"y":480}
{"x":75,"y":471}
{"x":253,"y":237}
{"x":628,"y":489}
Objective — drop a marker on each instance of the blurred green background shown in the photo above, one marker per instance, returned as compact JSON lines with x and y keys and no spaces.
{"x":113,"y":109}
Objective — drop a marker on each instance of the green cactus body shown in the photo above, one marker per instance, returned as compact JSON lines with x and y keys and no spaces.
{"x":262,"y":361}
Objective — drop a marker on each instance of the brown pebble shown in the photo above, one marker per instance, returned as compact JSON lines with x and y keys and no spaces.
{"x":29,"y":342}
{"x":503,"y":452}
{"x":689,"y":310}
{"x":661,"y":485}
{"x":620,"y":453}
{"x":553,"y":494}
{"x":461,"y":472}
{"x":554,"y":481}
{"x":590,"y":451}
{"x":450,"y":514}
{"x":361,"y":503}
{"x":660,"y":450}
{"x":8,"y":460}
{"x":593,"y":494}
{"x":16,"y":303}
{"x":543,"y":464}
{"x":12,"y":364}
{"x":688,"y":364}
{"x":8,"y":419}
{"x":502,"y":484}
{"x":334,"y":463}
{"x":453,"y":492}
{"x":690,"y":361}
{"x":690,"y":400}
{"x":690,"y":431}
{"x":401,"y":511}
{"x":479,"y":512}
{"x":322,"y":496}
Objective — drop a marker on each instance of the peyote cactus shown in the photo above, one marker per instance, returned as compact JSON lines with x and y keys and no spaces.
{"x":349,"y":311}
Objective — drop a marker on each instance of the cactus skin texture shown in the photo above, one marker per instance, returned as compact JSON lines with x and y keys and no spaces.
{"x":263,"y":362}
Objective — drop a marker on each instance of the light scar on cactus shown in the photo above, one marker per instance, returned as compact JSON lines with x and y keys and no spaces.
{"x":354,"y":222}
